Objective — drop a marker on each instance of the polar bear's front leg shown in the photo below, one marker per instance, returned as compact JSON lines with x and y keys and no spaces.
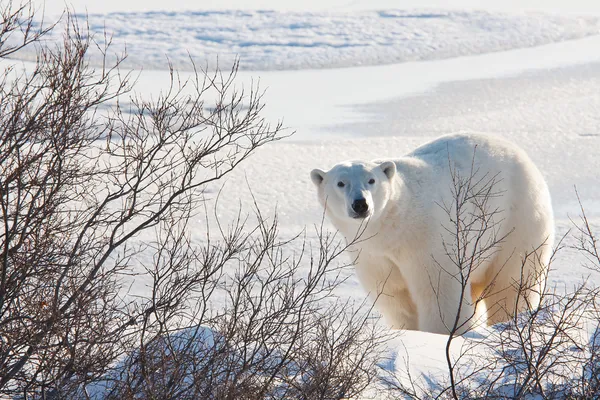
{"x":438,"y":296}
{"x":438,"y":313}
{"x":387,"y":288}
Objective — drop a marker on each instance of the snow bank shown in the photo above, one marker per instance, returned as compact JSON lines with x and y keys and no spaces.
{"x":276,"y":40}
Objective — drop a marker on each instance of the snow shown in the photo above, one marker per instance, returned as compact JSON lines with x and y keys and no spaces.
{"x":506,"y":68}
{"x":274,"y":40}
{"x":54,"y":7}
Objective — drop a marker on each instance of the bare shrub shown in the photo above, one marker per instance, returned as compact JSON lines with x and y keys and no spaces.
{"x":19,"y":27}
{"x":96,"y":194}
{"x":273,"y":338}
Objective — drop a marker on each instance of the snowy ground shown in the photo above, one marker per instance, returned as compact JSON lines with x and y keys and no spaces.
{"x":268,"y":40}
{"x":523,"y":79}
{"x":553,"y":6}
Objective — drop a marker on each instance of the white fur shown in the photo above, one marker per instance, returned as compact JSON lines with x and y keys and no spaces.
{"x":402,"y":260}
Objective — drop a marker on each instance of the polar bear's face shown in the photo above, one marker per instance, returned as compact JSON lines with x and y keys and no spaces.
{"x":354,"y":191}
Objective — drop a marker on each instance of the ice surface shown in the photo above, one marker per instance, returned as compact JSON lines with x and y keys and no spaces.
{"x":275,"y":40}
{"x":555,"y":6}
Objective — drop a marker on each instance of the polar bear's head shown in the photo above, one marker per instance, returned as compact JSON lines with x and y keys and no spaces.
{"x":355,"y":190}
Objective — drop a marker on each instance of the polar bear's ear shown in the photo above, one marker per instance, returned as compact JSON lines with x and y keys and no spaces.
{"x":317,"y":176}
{"x":389,"y":168}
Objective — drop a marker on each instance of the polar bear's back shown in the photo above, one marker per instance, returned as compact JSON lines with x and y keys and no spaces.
{"x":520,"y":190}
{"x":478,"y":154}
{"x":463,"y":149}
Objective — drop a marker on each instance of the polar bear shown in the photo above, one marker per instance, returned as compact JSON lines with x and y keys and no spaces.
{"x":455,"y":234}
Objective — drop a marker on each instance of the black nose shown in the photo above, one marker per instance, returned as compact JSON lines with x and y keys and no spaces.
{"x":360,"y":206}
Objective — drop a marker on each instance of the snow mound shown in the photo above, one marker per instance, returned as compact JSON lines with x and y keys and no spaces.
{"x":276,"y":40}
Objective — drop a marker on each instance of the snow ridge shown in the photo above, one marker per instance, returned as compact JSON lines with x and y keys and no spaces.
{"x":277,"y":40}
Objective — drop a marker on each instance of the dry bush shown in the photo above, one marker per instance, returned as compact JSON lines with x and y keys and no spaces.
{"x":99,"y":188}
{"x":274,"y":337}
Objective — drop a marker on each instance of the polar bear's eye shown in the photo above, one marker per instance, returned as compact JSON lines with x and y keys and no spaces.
{"x":371,"y":181}
{"x":340,"y":184}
